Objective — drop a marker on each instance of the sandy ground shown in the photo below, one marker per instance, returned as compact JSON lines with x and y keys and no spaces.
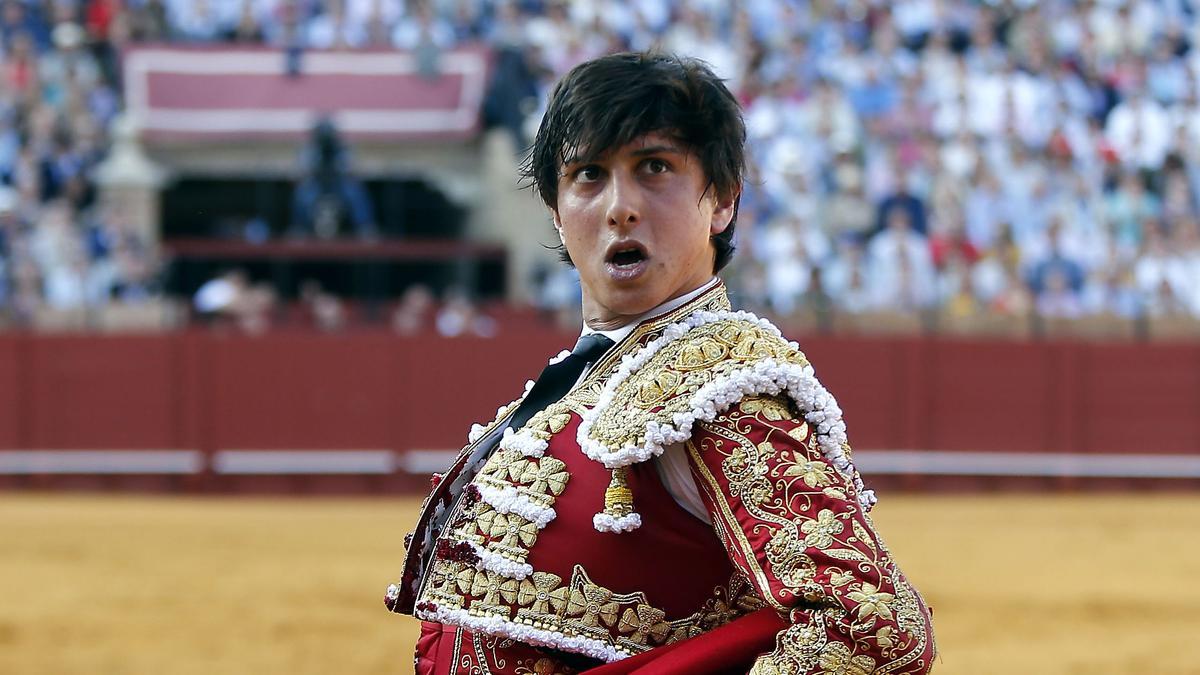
{"x":173,"y":586}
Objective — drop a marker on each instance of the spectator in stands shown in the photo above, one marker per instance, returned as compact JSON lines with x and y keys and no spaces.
{"x":847,"y":212}
{"x":1127,"y":207}
{"x":1161,"y":274}
{"x":329,"y":201}
{"x":1110,"y":291}
{"x":18,"y":18}
{"x":222,"y":294}
{"x":424,"y":33}
{"x":1058,"y":299}
{"x":901,"y":200}
{"x":790,"y":248}
{"x":414,"y":313}
{"x":1058,"y":263}
{"x":848,"y":281}
{"x":324,"y":310}
{"x":902,"y":274}
{"x":136,"y":276}
{"x":512,"y":92}
{"x":1002,"y":117}
{"x":816,"y":301}
{"x":230,"y":299}
{"x":459,"y":317}
{"x":332,"y":28}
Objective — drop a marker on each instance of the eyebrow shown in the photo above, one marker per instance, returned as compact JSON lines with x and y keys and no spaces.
{"x":640,"y":152}
{"x":655,"y":150}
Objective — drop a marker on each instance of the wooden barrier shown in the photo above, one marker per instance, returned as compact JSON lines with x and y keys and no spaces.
{"x":373,"y":392}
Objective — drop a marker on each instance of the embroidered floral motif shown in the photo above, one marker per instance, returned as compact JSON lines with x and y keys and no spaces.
{"x":819,"y":533}
{"x":539,"y":593}
{"x":646,"y":623}
{"x":823,"y":560}
{"x":592,"y":603}
{"x":836,"y":660}
{"x":578,"y":615}
{"x":796,"y":649}
{"x":509,"y":530}
{"x":698,"y":368}
{"x":871,"y":602}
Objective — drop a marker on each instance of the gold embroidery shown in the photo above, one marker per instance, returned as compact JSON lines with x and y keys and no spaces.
{"x":491,"y":588}
{"x":819,"y":533}
{"x":540,"y":480}
{"x":536,"y":592}
{"x":796,"y":649}
{"x":541,"y":599}
{"x":618,"y":498}
{"x":836,"y":660}
{"x":663,"y":386}
{"x":509,"y":531}
{"x":592,"y":603}
{"x":645,"y":623}
{"x":581,"y":607}
{"x":732,"y":535}
{"x":782,"y":484}
{"x":871,"y":601}
{"x":544,"y":666}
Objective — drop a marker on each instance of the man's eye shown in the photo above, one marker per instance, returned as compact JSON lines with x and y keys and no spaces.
{"x":587,"y":174}
{"x":656,"y":166}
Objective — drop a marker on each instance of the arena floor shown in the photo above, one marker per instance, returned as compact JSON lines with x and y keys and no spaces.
{"x":173,"y":586}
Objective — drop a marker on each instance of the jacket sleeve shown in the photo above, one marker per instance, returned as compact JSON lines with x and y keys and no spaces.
{"x":794,"y":525}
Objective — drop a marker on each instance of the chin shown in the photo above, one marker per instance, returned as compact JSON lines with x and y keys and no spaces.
{"x":633,"y":301}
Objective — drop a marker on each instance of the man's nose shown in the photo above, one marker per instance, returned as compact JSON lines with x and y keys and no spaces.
{"x":624,"y":202}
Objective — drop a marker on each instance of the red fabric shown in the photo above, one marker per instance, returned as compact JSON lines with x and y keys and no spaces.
{"x":814,"y":544}
{"x":99,"y":15}
{"x":429,"y":645}
{"x":941,"y":247}
{"x":671,"y":537}
{"x":732,"y":648}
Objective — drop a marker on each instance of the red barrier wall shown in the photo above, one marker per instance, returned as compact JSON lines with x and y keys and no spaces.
{"x":374,"y":390}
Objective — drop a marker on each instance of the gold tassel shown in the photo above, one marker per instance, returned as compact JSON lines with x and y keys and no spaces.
{"x":618,"y":498}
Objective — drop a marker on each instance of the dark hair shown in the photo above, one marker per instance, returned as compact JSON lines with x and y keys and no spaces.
{"x":610,"y":101}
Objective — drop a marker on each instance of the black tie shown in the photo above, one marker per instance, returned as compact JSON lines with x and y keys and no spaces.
{"x":558,"y":378}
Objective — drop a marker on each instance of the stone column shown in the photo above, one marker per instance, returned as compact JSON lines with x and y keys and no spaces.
{"x":129,"y":182}
{"x":510,"y":215}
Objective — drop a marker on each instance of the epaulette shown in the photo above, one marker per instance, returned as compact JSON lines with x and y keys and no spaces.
{"x":696,"y":369}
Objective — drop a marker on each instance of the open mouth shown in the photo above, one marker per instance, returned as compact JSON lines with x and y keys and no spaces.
{"x":627,"y":257}
{"x":626,"y":260}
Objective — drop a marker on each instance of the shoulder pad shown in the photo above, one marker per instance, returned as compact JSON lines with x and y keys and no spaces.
{"x":694,"y":370}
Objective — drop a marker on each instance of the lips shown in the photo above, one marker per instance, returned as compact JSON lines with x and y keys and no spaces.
{"x":626,"y":260}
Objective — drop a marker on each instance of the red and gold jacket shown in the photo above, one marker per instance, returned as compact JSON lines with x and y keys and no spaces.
{"x":556,"y":548}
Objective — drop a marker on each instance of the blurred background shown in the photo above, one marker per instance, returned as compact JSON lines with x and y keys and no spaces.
{"x":263,"y":262}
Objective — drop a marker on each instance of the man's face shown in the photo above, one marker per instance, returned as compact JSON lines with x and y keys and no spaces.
{"x":636,"y":222}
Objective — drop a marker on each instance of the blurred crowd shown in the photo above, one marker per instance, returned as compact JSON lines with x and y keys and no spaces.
{"x":60,"y":249}
{"x":1008,"y":158}
{"x":943,"y":156}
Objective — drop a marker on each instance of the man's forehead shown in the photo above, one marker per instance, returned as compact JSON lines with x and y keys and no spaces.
{"x":650,"y":142}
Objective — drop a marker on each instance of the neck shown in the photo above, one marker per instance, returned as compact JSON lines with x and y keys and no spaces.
{"x":608,"y":323}
{"x":595,"y":320}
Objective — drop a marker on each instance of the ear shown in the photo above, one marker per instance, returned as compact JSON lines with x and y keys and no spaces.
{"x":557,"y":223}
{"x":723,"y":210}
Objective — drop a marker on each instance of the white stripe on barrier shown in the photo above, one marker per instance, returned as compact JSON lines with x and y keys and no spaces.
{"x":939,"y":462}
{"x":954,"y":463}
{"x":304,"y":462}
{"x":100,"y":461}
{"x":426,"y":461}
{"x":870,"y":462}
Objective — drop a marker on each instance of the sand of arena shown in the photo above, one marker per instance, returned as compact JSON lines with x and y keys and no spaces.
{"x":182,"y":585}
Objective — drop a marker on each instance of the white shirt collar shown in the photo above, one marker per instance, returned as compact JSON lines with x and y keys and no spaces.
{"x":618,"y":334}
